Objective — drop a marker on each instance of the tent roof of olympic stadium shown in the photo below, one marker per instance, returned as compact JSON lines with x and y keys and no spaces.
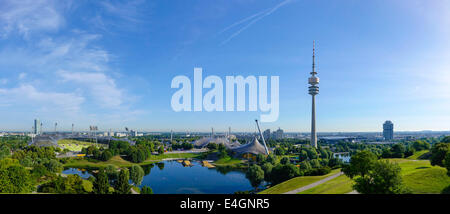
{"x":203,"y":142}
{"x":254,"y":148}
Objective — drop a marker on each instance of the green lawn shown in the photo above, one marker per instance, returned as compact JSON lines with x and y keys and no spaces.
{"x":84,"y":163}
{"x":173,"y":155}
{"x":120,"y":162}
{"x":295,"y":183}
{"x":227,"y":161}
{"x":339,"y":185}
{"x":416,"y":156}
{"x":76,"y":145}
{"x":420,"y":177}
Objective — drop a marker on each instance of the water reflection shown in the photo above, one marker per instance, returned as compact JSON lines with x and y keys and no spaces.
{"x":171,"y":177}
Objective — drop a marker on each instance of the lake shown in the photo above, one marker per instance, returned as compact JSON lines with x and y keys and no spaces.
{"x":171,"y":177}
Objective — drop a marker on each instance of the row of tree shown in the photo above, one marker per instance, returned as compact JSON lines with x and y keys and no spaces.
{"x":105,"y":178}
{"x":136,"y":154}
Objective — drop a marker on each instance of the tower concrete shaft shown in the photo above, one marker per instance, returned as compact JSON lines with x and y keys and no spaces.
{"x":313,"y":123}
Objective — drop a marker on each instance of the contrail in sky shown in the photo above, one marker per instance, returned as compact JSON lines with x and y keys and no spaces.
{"x":253,"y":19}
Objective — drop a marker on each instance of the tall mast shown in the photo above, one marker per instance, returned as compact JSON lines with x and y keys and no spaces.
{"x":313,"y":59}
{"x":313,"y":91}
{"x":262,"y":137}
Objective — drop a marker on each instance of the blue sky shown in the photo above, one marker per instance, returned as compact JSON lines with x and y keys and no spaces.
{"x":110,"y":63}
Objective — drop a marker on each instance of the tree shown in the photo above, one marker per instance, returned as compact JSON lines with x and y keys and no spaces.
{"x":54,"y":166}
{"x":315,"y":163}
{"x":255,"y":174}
{"x":137,"y":155}
{"x":335,"y":162}
{"x":101,"y":183}
{"x":282,"y":173}
{"x":285,"y":160}
{"x":410,"y":151}
{"x":122,"y":186}
{"x":161,"y":150}
{"x":446,"y":190}
{"x":312,"y":153}
{"x":280,"y":151}
{"x":271,"y":159}
{"x":146,"y":190}
{"x":419,"y":145}
{"x":360,"y":164}
{"x":386,"y":153}
{"x":106,"y":155}
{"x":222,"y":151}
{"x":446,"y":139}
{"x":260,"y":158}
{"x":447,"y":162}
{"x":438,"y":152}
{"x":324,"y":154}
{"x":4,"y":151}
{"x":39,"y":170}
{"x":305,"y":165}
{"x":187,"y":146}
{"x":303,"y":156}
{"x":211,"y":146}
{"x":111,"y":172}
{"x":136,"y":174}
{"x":267,"y":168}
{"x":398,"y":150}
{"x":72,"y":184}
{"x":15,"y":179}
{"x":384,"y":178}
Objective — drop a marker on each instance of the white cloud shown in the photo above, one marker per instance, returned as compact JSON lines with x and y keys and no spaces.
{"x":102,"y":87}
{"x":27,"y":94}
{"x":67,"y":72}
{"x":252,"y":20}
{"x":74,"y":61}
{"x":128,"y":10}
{"x":22,"y":76}
{"x":27,"y":16}
{"x":120,"y":15}
{"x":75,"y":53}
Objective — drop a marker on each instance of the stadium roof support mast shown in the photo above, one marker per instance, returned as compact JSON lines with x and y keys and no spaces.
{"x":262,"y":137}
{"x":313,"y":91}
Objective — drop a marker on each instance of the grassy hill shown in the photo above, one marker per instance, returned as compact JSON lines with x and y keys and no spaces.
{"x":420,"y":177}
{"x":120,"y":162}
{"x":83,"y":163}
{"x":339,"y":185}
{"x":227,"y":161}
{"x":295,"y":183}
{"x":419,"y":155}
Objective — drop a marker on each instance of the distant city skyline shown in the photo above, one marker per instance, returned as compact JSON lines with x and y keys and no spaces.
{"x":110,"y":63}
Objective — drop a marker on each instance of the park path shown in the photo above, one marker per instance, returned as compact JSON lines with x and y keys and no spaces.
{"x":301,"y":189}
{"x":133,"y":191}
